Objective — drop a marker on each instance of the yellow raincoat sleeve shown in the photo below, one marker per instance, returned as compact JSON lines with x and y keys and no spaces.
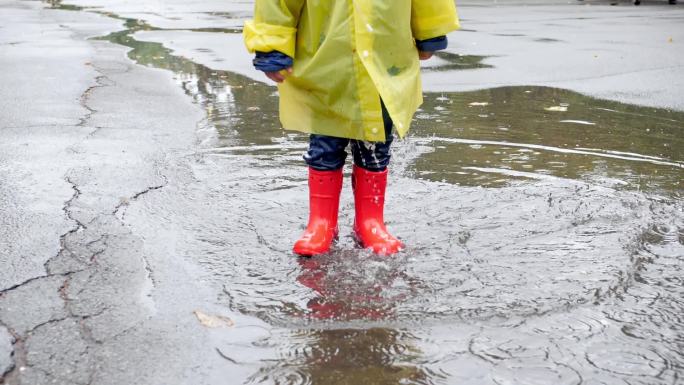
{"x":433,"y":18}
{"x":274,"y":27}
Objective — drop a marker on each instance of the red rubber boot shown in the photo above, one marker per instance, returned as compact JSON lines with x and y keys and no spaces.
{"x":324,"y":201}
{"x":369,"y":201}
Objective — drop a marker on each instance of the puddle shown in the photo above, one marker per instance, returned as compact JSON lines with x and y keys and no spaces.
{"x":503,"y":134}
{"x":545,"y":234}
{"x":447,"y":61}
{"x":514,"y":136}
{"x":57,"y":4}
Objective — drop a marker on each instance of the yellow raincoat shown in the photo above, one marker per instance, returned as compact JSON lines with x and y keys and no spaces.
{"x":347,"y":55}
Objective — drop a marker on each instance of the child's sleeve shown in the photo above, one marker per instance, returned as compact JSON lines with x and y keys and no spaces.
{"x":274,"y":27}
{"x":431,"y":45}
{"x":433,"y":18}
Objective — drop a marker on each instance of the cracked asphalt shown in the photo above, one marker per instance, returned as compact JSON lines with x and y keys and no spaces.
{"x":84,"y":134}
{"x":127,"y":257}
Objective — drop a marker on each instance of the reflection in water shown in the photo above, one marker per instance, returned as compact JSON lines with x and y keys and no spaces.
{"x":567,"y":266}
{"x":377,"y":356}
{"x":344,"y":291}
{"x":57,"y":4}
{"x":334,"y":302}
{"x":451,"y":61}
{"x":598,"y":141}
{"x":588,"y":139}
{"x":242,"y":111}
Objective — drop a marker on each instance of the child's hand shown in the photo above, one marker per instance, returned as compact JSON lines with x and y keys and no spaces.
{"x":279,"y":76}
{"x":424,"y":55}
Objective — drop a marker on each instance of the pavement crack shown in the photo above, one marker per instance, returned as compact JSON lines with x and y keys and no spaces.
{"x":67,"y":206}
{"x":84,"y":330}
{"x":100,"y":81}
{"x":67,"y":209}
{"x":125,"y":202}
{"x":12,"y":288}
{"x":136,"y":196}
{"x":48,"y":322}
{"x":149,"y":271}
{"x":226,"y":357}
{"x":19,"y":285}
{"x":30,"y":126}
{"x":19,"y":357}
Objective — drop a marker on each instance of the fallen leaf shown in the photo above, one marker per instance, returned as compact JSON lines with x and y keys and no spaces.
{"x":213,"y":321}
{"x":669,"y":40}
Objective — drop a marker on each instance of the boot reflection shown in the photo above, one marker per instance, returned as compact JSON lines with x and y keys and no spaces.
{"x":363,"y":356}
{"x":341,"y":297}
{"x":377,"y":356}
{"x":350,"y":288}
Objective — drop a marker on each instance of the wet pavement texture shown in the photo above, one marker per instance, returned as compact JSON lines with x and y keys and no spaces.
{"x":545,"y":234}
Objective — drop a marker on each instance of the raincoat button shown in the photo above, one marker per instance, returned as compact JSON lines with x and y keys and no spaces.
{"x":374,"y":130}
{"x":366,"y":53}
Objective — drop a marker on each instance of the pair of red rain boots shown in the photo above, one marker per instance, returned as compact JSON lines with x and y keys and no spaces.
{"x":369,"y":201}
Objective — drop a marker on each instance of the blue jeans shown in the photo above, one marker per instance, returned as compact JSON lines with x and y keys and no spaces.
{"x":328,"y":153}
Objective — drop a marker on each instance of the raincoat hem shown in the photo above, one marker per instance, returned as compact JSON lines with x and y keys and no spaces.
{"x":265,"y":37}
{"x":428,"y":28}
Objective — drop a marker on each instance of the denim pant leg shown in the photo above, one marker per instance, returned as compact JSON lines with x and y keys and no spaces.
{"x":375,"y":156}
{"x":326,"y":153}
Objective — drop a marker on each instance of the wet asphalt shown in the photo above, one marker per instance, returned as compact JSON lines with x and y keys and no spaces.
{"x":150,"y":200}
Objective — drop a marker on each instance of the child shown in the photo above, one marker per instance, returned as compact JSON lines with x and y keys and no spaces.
{"x":347,"y":73}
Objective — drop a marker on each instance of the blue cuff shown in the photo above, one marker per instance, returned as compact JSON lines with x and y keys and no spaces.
{"x":273,"y":61}
{"x":431,"y":45}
